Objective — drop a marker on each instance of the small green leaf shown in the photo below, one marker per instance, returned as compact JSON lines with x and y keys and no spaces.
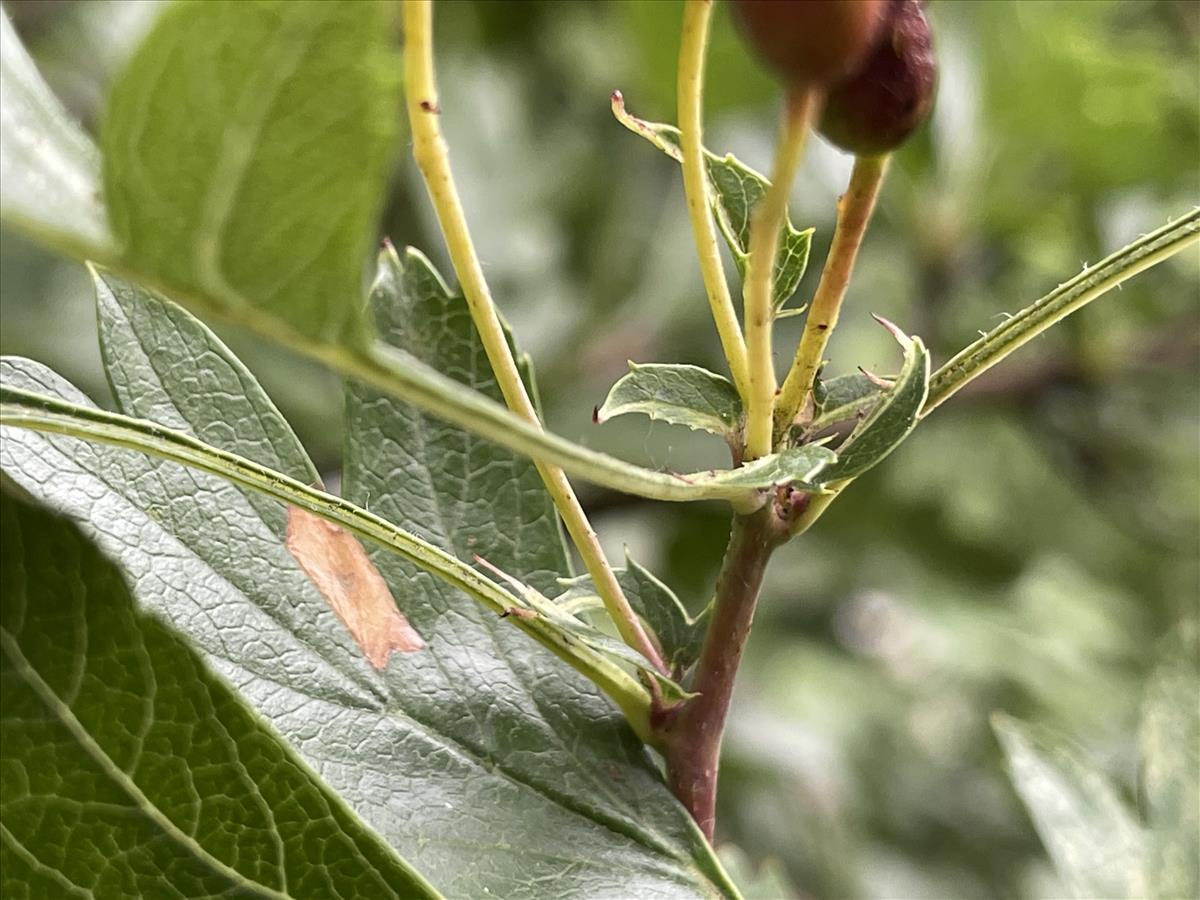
{"x":129,"y":769}
{"x":736,"y":189}
{"x":1170,"y":745}
{"x":49,"y":169}
{"x":843,"y":398}
{"x":893,"y":417}
{"x":246,"y":151}
{"x":1093,"y":839}
{"x":679,"y":634}
{"x":679,"y":394}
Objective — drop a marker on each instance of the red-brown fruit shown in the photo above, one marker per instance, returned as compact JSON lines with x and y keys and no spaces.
{"x":811,"y":42}
{"x":879,"y":106}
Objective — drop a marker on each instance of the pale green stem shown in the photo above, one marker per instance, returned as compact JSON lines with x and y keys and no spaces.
{"x":429,"y":150}
{"x":1085,"y":287}
{"x":22,"y":409}
{"x":690,"y":101}
{"x":766,"y":222}
{"x":854,"y":213}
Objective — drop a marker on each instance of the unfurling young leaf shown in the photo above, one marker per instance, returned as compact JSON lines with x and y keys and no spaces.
{"x":842,"y":398}
{"x":339,"y":567}
{"x":892,"y":418}
{"x":736,"y":189}
{"x":678,"y":634}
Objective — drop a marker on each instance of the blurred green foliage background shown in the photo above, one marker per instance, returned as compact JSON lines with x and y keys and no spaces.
{"x":1027,"y":550}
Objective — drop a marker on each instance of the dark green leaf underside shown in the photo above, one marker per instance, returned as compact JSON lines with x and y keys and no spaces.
{"x":129,"y":770}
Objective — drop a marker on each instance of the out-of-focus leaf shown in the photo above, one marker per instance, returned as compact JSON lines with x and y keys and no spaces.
{"x":679,"y":634}
{"x":550,"y":772}
{"x":1093,"y":839}
{"x":286,"y":113}
{"x":736,"y":190}
{"x":767,"y":881}
{"x":130,"y":770}
{"x":892,"y":419}
{"x":679,"y":394}
{"x":49,"y":169}
{"x":1170,"y":745}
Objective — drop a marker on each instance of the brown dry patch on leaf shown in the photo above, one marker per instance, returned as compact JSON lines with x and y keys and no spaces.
{"x":338,"y":565}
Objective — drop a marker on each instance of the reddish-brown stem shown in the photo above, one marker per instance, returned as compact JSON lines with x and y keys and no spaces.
{"x":693,"y":739}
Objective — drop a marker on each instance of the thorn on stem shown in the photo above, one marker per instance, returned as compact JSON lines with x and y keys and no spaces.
{"x":430,"y":107}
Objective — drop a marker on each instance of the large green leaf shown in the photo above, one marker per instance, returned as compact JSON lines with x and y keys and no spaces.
{"x":679,"y":394}
{"x":561,"y":797}
{"x":1096,"y":844}
{"x":49,"y":169}
{"x":461,"y":755}
{"x":736,"y":190}
{"x":246,"y":150}
{"x":129,"y":770}
{"x":1170,"y":745}
{"x":326,"y":549}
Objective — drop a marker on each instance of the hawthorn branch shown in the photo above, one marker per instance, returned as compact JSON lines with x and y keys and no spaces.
{"x":692,"y":740}
{"x":430,"y":152}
